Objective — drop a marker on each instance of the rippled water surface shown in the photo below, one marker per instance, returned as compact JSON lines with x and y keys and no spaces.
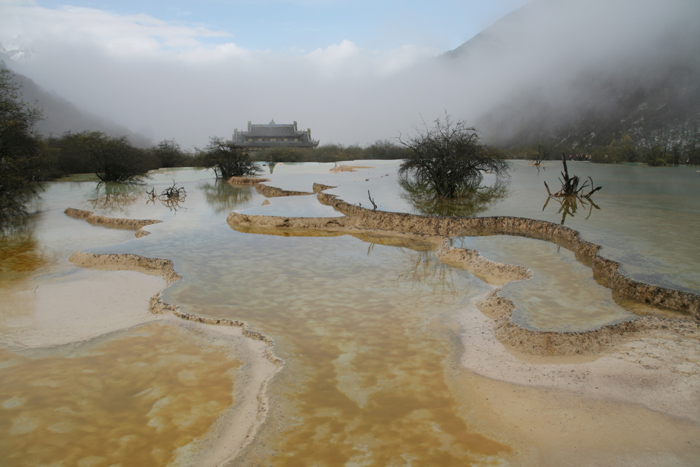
{"x":367,"y":330}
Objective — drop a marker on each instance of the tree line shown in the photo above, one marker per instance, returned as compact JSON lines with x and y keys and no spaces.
{"x":619,"y":151}
{"x":27,"y":159}
{"x":382,"y":149}
{"x":443,"y":161}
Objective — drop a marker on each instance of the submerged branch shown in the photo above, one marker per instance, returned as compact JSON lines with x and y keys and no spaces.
{"x":570,"y":185}
{"x":372,"y":201}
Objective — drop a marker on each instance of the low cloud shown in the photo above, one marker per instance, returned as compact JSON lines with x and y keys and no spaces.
{"x":171,"y":81}
{"x":188,"y":83}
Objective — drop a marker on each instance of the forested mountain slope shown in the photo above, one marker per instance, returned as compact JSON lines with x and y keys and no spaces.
{"x":582,"y":73}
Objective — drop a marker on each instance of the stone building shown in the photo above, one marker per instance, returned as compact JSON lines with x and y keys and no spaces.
{"x":273,"y":135}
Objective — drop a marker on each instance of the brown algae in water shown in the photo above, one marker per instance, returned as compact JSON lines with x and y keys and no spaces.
{"x":133,"y":399}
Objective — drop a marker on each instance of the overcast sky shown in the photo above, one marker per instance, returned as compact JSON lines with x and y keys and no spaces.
{"x":354,"y":71}
{"x":189,"y":70}
{"x":292,"y":26}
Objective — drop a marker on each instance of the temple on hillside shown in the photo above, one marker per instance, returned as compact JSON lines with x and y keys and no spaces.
{"x":273,"y":135}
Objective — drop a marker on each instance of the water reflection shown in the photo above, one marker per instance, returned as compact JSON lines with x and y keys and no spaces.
{"x":114,"y":197}
{"x":223,"y":197}
{"x":569,"y":206}
{"x":172,"y":197}
{"x":540,"y":167}
{"x":426,"y":201}
{"x":173,"y":204}
{"x":364,"y":331}
{"x":20,"y":254}
{"x":422,"y":268}
{"x":562,"y":294}
{"x":366,"y":355}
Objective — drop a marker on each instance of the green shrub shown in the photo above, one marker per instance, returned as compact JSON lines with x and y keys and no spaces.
{"x":228,"y":159}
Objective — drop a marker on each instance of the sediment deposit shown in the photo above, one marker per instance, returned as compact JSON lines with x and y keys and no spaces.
{"x":274,"y":192}
{"x":661,"y":353}
{"x":319,"y":187}
{"x":487,"y":270}
{"x":433,"y":230}
{"x":358,"y":219}
{"x":240,"y":425}
{"x":126,"y":262}
{"x":247,"y":180}
{"x":266,"y":190}
{"x":348,"y":168}
{"x":546,"y":343}
{"x":113,"y":222}
{"x":650,"y":360}
{"x":165,"y":269}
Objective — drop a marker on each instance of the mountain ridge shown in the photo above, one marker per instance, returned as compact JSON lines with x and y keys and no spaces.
{"x":60,"y":115}
{"x":649,"y":91}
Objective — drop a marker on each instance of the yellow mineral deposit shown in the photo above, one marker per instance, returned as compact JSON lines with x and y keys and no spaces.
{"x":135,"y":399}
{"x":412,"y":358}
{"x":19,"y":257}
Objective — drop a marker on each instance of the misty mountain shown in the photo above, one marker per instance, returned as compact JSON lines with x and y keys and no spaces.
{"x":582,"y":72}
{"x":60,"y":115}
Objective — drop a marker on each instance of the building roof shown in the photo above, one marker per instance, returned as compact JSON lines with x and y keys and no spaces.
{"x":273,"y":130}
{"x":261,"y":135}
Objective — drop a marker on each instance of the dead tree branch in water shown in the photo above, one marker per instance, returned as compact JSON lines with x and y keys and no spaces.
{"x":568,"y":206}
{"x":170,"y":197}
{"x":570,"y":185}
{"x":542,"y":154}
{"x":173,"y":193}
{"x":372,"y":201}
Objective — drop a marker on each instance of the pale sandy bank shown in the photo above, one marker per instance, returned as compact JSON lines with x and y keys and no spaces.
{"x":77,"y":306}
{"x":348,"y":168}
{"x":650,"y":361}
{"x":113,"y":293}
{"x":626,"y":394}
{"x":236,"y":428}
{"x":636,"y":403}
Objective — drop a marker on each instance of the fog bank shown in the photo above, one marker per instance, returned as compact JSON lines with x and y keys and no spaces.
{"x":165,"y":82}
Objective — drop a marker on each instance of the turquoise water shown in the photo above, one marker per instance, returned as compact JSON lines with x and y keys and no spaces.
{"x":645,"y":218}
{"x":367,"y":331}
